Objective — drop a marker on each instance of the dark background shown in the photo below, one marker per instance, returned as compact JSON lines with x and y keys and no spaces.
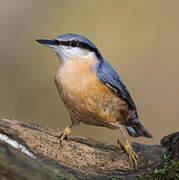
{"x":139,"y":38}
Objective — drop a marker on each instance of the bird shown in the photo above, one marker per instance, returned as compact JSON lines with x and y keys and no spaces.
{"x":93,"y":92}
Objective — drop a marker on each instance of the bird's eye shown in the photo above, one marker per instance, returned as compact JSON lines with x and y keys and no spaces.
{"x":56,"y":42}
{"x":74,"y":44}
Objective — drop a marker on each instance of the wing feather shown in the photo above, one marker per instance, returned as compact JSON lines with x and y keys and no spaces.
{"x":107,"y":75}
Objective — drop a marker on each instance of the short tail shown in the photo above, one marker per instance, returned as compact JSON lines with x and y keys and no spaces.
{"x":136,"y":129}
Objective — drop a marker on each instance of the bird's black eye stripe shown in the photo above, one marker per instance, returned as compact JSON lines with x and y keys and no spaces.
{"x":65,"y":43}
{"x":72,"y":43}
{"x":75,"y":43}
{"x":56,"y":42}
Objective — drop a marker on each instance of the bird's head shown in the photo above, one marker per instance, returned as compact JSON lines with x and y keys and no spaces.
{"x":72,"y":46}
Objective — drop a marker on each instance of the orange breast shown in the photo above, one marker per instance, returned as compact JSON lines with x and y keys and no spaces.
{"x":86,"y":97}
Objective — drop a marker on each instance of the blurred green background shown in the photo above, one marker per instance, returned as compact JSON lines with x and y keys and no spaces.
{"x":139,"y":38}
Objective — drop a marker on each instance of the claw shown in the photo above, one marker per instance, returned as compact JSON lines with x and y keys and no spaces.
{"x":133,"y":157}
{"x":64,"y":135}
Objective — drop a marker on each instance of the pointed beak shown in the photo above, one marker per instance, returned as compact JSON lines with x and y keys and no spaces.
{"x":46,"y":42}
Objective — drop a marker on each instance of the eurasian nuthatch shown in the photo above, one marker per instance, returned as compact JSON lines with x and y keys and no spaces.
{"x":92,"y":90}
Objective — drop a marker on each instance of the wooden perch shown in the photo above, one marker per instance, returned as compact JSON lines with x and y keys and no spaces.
{"x":80,"y":157}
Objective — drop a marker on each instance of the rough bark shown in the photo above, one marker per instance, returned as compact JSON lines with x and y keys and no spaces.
{"x":80,"y":157}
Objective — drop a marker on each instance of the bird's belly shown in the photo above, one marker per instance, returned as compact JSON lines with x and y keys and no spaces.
{"x":89,"y":100}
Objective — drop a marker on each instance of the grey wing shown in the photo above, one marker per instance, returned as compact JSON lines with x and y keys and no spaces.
{"x":110,"y":77}
{"x":107,"y":75}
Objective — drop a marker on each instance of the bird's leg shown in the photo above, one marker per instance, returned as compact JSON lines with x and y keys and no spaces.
{"x":128,"y":148}
{"x":64,"y":134}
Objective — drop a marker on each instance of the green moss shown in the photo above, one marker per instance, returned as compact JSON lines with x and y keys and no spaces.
{"x":169,"y":171}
